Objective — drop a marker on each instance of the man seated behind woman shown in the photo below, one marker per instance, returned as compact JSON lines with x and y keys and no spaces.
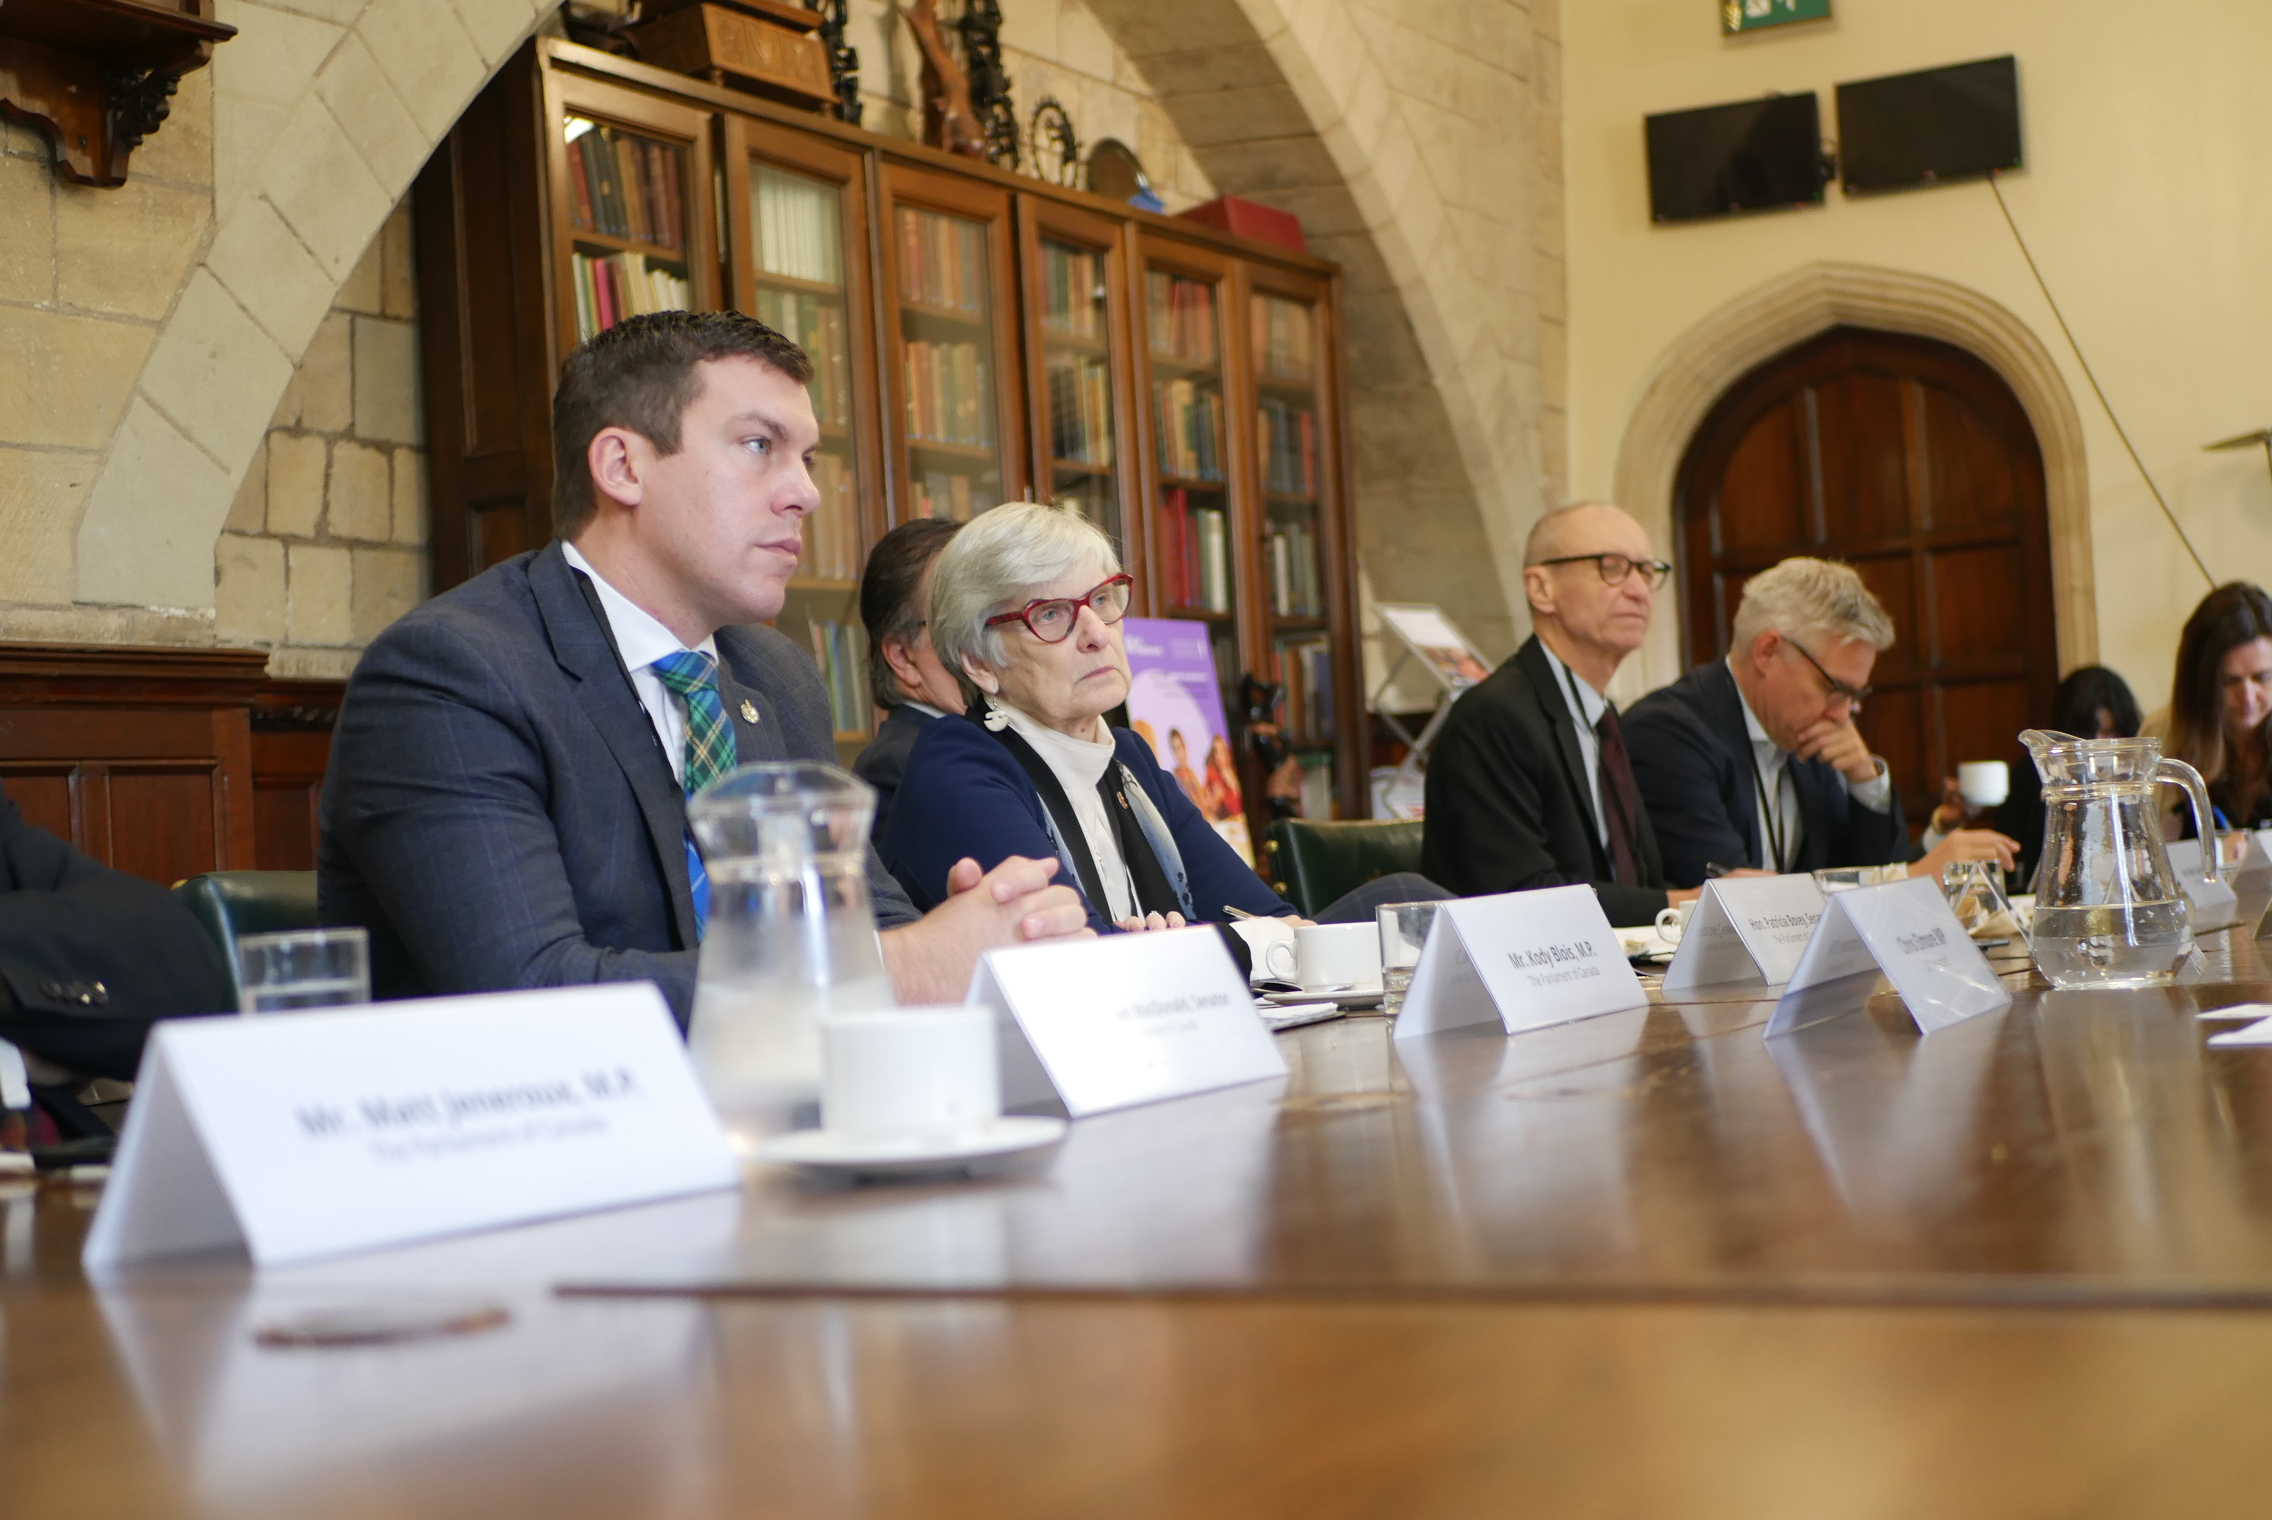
{"x":1026,"y":605}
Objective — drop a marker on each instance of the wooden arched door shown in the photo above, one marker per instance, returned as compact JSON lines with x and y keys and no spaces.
{"x":1914,"y":462}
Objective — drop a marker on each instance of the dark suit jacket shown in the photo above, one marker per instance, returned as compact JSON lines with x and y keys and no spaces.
{"x":1509,"y":807}
{"x":92,"y":957}
{"x":884,"y":761}
{"x":1692,"y":756}
{"x":499,"y":812}
{"x":966,"y":795}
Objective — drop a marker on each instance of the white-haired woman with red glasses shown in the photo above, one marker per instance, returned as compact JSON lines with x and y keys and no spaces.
{"x":1026,"y":606}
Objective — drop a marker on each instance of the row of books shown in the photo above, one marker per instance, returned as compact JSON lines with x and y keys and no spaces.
{"x":1183,"y":317}
{"x":798,"y":226}
{"x":1072,"y":284}
{"x":1285,"y":439}
{"x":627,"y":186}
{"x":832,"y":533}
{"x":816,"y":325}
{"x":1296,"y":587}
{"x":948,"y":398}
{"x":1197,"y":549}
{"x":836,"y":649}
{"x":942,"y":260}
{"x":1080,"y":409}
{"x":1305,"y":672}
{"x":618,"y":285}
{"x":1190,"y":429}
{"x":1283,"y":339}
{"x":944,"y":494}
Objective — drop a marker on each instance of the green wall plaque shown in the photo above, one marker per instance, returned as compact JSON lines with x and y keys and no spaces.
{"x":1754,"y":15}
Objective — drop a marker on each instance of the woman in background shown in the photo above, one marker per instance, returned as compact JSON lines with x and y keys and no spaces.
{"x":2092,"y":703}
{"x":2221,"y":705}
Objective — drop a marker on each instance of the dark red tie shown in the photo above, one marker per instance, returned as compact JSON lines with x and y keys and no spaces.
{"x":1620,"y":800}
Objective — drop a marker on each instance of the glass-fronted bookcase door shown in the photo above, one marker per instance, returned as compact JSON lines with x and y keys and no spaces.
{"x":797,"y":235}
{"x":1192,"y":455}
{"x":952,"y":422}
{"x":1075,"y":265}
{"x":633,"y":225}
{"x":1301,"y":563}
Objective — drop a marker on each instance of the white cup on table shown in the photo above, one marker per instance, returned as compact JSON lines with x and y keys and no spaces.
{"x":1984,"y":783}
{"x":1338,"y":955}
{"x":909,"y":1071}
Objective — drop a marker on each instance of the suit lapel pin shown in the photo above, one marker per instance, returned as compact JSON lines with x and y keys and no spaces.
{"x":749,"y":711}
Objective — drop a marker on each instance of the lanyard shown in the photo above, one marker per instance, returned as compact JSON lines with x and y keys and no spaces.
{"x":1602,"y":798}
{"x":1771,"y":812}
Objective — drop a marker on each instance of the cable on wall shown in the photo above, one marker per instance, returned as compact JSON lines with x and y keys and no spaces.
{"x":2100,"y":391}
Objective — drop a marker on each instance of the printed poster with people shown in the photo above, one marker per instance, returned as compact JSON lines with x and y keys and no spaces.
{"x":1175,"y":700}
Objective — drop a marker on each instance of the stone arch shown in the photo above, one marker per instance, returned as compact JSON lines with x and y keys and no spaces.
{"x":1700,"y":366}
{"x":1299,"y":106}
{"x":350,"y":100}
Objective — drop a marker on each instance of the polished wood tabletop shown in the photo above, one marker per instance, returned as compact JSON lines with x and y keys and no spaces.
{"x":1646,"y":1264}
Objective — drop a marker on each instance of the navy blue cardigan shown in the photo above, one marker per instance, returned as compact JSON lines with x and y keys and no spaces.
{"x":964,"y":794}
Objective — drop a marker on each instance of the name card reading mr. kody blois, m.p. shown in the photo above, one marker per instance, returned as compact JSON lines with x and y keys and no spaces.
{"x":1529,"y":959}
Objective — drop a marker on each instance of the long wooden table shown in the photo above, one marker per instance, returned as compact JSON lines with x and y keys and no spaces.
{"x":1648,"y":1264}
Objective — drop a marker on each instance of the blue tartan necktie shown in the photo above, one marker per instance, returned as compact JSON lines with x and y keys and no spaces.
{"x":710,"y":750}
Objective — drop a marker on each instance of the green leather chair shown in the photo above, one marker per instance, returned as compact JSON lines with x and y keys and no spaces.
{"x":1313,"y":864}
{"x":230,"y":903}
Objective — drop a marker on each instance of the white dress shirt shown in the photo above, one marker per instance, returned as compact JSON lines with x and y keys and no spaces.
{"x":641,"y":639}
{"x":1769,"y":762}
{"x":1078,"y":765}
{"x":1586,"y":706}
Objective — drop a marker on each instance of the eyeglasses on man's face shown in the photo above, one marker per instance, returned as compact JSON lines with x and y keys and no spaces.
{"x":1615,"y":568}
{"x":1853,"y":696}
{"x":1052,"y":619}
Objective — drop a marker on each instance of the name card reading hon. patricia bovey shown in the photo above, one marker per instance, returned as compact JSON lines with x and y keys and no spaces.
{"x":1528,"y":958}
{"x":1124,"y":1019}
{"x":1745,"y":929}
{"x":314,"y":1134}
{"x":1904,"y":929}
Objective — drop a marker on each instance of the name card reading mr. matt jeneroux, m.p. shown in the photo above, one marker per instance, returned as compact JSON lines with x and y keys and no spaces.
{"x":1529,"y":959}
{"x":315,"y":1134}
{"x":1905,"y":930}
{"x":1745,"y":930}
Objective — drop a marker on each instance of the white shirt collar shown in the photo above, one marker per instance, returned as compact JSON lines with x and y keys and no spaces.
{"x":1751,"y":723}
{"x":640,"y":636}
{"x":1074,"y":760}
{"x":1592,"y":701}
{"x":925,"y":708}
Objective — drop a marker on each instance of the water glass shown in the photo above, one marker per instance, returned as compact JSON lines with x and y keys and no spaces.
{"x":303,"y":968}
{"x":1846,"y":878}
{"x":1975,"y":890}
{"x":1404,"y":930}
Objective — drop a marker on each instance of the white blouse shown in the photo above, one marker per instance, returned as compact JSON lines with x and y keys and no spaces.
{"x":1078,"y":765}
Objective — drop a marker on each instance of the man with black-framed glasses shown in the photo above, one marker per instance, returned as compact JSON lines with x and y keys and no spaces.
{"x":1755,"y":760}
{"x":1530,"y":784}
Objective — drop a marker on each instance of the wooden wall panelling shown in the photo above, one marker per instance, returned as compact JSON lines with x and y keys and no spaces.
{"x":291,"y":750}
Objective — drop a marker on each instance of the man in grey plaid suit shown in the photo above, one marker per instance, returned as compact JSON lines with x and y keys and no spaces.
{"x":506,"y":805}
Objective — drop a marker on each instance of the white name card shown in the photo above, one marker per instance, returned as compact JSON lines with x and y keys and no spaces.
{"x":1905,"y":929}
{"x":1529,"y":959}
{"x":316,"y":1134}
{"x":1123,"y":1019}
{"x":1745,"y":929}
{"x":2216,"y":907}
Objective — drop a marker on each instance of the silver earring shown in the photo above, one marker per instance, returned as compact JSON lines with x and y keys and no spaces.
{"x":997,"y":716}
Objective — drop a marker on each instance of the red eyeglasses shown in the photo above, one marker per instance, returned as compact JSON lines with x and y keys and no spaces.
{"x":1052,"y":619}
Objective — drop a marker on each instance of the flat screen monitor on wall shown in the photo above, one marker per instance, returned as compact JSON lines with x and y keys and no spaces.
{"x":1754,"y":155}
{"x":1958,"y":122}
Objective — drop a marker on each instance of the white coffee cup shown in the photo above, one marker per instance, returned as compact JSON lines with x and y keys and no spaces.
{"x":1672,"y":922}
{"x":906,"y":1071}
{"x":1270,"y":941}
{"x":1334,"y":955}
{"x":1984,"y":783}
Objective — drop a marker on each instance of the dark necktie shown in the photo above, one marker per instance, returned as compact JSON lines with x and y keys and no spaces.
{"x":1620,"y":800}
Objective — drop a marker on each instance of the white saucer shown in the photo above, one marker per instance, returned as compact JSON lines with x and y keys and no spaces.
{"x":820,"y":1150}
{"x":1345,"y":997}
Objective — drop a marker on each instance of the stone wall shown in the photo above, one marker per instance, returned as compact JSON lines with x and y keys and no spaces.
{"x":326,"y":543}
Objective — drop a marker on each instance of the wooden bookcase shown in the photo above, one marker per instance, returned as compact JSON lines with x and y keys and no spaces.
{"x":978,"y":336}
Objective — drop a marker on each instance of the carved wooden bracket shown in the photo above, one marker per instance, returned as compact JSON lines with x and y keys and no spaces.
{"x":98,"y":76}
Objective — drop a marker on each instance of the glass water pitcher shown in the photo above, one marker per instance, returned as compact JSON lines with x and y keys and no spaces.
{"x":2108,"y":908}
{"x":791,"y":937}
